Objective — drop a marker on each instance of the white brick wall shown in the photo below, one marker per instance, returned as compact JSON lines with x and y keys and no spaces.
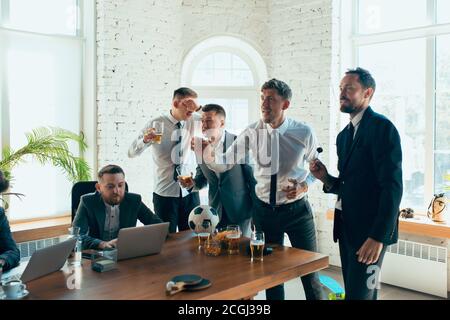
{"x":138,"y":68}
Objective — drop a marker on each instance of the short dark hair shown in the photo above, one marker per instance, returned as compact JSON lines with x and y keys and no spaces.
{"x":111,"y":169}
{"x":184,"y":92}
{"x":215,"y":108}
{"x":282,"y":88}
{"x":364,"y":77}
{"x":4,"y":183}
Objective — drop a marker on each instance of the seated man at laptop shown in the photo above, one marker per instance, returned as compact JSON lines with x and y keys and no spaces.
{"x":9,"y":254}
{"x":102,"y":214}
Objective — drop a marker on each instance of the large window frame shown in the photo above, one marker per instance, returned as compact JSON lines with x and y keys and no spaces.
{"x":86,"y":33}
{"x":351,"y":41}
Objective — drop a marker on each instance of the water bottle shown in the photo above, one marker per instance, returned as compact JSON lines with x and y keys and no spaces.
{"x":77,"y":251}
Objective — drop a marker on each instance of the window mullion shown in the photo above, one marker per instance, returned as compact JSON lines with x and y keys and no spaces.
{"x":430,"y":101}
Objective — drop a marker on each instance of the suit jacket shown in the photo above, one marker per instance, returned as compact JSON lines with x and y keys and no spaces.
{"x":91,"y":215}
{"x":369,"y":182}
{"x":8,"y":248}
{"x":232,"y":190}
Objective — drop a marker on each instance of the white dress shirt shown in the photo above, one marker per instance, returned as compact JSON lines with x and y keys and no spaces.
{"x":296,"y":145}
{"x":355,"y":121}
{"x":165,"y":185}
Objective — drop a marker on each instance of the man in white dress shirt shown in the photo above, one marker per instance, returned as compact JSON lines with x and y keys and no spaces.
{"x":172,"y":203}
{"x":280,"y":147}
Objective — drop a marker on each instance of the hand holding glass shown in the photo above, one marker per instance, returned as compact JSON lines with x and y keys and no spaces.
{"x":158,"y":127}
{"x":154,"y":134}
{"x":185,"y":178}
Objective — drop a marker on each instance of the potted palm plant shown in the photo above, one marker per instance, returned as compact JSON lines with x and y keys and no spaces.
{"x":48,"y":145}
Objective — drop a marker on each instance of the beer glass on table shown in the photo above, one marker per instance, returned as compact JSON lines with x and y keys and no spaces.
{"x":257,"y":245}
{"x":233,"y":237}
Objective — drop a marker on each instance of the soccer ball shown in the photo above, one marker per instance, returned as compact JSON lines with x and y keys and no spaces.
{"x":203,"y":219}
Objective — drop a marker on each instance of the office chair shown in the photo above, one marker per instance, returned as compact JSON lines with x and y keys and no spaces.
{"x":80,"y":188}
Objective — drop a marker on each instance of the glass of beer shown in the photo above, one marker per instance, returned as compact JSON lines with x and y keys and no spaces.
{"x":184,"y":175}
{"x":257,"y":245}
{"x":203,"y":234}
{"x":158,"y":127}
{"x":233,"y":237}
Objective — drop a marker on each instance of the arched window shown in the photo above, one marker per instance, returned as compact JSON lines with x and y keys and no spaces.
{"x":227,"y":71}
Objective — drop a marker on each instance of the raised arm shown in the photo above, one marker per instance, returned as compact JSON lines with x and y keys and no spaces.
{"x":139,"y":144}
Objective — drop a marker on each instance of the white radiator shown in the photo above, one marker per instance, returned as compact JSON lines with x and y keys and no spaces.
{"x":416,"y":266}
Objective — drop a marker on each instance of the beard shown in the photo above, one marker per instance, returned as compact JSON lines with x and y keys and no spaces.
{"x":115,"y":200}
{"x":347,"y":107}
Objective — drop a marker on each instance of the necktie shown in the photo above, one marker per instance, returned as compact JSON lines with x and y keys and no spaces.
{"x":178,"y":153}
{"x":274,"y":167}
{"x":351,"y":133}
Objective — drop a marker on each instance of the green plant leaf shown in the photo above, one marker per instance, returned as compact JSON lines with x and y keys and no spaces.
{"x":49,"y":145}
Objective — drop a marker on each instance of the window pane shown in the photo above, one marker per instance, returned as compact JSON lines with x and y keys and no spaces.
{"x":443,"y":11}
{"x":238,"y":63}
{"x":442,"y":172}
{"x":203,"y":77}
{"x":442,"y":116}
{"x":222,"y":60}
{"x":44,"y":86}
{"x":206,"y":63}
{"x":387,"y":15}
{"x":222,"y":69}
{"x":442,"y":93}
{"x":237,"y":112}
{"x":400,"y":96}
{"x":44,"y":16}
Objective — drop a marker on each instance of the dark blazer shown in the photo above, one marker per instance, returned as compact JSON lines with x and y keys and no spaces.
{"x":369,"y":182}
{"x":91,"y":214}
{"x":8,"y":247}
{"x":233,"y":189}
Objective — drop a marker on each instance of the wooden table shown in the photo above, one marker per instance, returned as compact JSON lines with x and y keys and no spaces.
{"x":232,"y":277}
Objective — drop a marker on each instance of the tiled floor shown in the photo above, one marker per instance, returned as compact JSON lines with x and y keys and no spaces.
{"x":294,"y":289}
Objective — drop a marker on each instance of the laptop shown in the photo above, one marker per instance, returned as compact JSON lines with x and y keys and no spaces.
{"x":42,"y":262}
{"x":141,"y":241}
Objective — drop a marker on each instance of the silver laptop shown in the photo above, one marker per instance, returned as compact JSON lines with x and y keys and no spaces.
{"x":141,"y":241}
{"x":42,"y":262}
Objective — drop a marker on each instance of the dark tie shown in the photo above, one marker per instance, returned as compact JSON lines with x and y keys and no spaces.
{"x":273,"y":178}
{"x":273,"y":190}
{"x":178,"y":153}
{"x":351,"y":133}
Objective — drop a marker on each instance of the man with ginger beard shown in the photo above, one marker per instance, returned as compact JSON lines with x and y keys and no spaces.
{"x":102,"y":214}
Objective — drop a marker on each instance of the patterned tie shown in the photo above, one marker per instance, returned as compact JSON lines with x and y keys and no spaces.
{"x":178,"y":152}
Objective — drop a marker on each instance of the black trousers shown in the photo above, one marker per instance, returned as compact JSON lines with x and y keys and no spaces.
{"x":175,"y":210}
{"x":295,"y":219}
{"x":361,"y":281}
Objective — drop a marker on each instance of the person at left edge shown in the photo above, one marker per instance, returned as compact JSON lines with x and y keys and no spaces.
{"x":9,"y":253}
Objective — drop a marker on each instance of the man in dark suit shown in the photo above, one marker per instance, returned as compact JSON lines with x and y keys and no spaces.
{"x":230,"y":192}
{"x":102,"y":214}
{"x":9,"y":254}
{"x":369,"y":186}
